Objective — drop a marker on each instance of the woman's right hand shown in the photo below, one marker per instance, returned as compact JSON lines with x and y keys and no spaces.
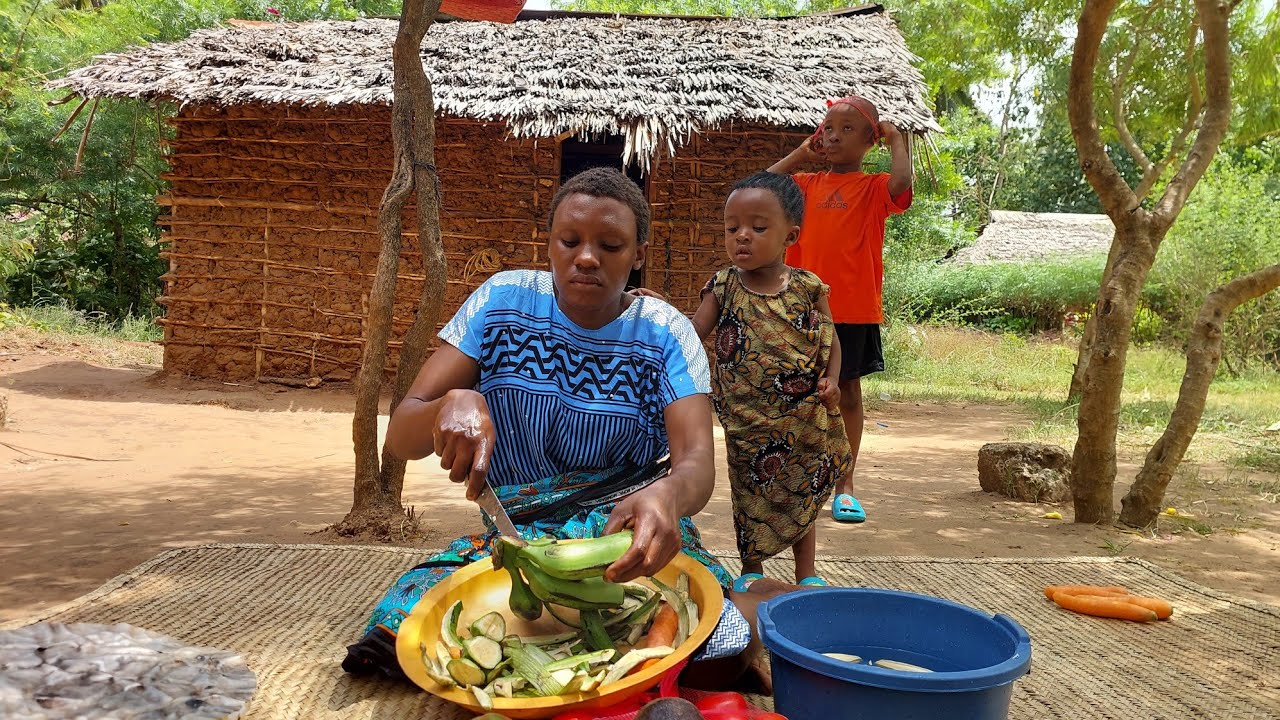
{"x":464,"y":438}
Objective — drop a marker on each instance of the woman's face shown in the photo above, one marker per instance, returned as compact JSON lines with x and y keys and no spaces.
{"x":593,"y":250}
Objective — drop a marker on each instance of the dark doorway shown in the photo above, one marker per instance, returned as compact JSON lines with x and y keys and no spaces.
{"x":577,"y":155}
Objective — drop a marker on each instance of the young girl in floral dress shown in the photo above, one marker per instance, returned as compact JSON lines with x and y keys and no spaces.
{"x":775,"y":379}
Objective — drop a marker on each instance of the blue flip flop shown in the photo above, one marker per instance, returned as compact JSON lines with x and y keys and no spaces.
{"x":744,"y":581}
{"x":814,"y":581}
{"x":846,"y":508}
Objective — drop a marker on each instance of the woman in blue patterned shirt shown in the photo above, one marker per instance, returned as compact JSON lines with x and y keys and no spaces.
{"x":547,"y":385}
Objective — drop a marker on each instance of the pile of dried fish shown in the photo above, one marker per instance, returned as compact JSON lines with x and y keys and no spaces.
{"x":53,"y":671}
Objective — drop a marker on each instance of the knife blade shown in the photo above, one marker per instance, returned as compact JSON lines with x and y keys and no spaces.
{"x":489,"y":504}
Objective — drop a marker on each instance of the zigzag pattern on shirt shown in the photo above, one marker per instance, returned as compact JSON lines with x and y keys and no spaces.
{"x":618,"y":376}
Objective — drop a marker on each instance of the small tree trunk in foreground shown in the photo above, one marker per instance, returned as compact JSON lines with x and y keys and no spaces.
{"x":376,"y":508}
{"x":1204,"y":350}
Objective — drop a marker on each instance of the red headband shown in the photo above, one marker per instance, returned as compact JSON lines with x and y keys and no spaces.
{"x":876,"y":134}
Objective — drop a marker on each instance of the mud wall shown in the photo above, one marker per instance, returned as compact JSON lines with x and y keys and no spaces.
{"x":687,"y":193}
{"x":272,"y":228}
{"x":272,"y":232}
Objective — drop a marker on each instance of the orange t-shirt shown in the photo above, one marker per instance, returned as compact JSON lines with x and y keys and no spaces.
{"x":842,"y":239}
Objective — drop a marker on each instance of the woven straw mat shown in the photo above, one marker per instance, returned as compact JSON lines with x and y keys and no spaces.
{"x":292,"y":609}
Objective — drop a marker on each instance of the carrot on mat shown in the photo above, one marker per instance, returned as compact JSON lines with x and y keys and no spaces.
{"x":1104,"y":606}
{"x":1161,"y":608}
{"x":1052,"y":590}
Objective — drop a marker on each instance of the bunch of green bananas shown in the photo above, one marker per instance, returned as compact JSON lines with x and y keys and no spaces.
{"x":570,"y":574}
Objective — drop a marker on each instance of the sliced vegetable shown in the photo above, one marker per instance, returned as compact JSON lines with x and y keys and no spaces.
{"x":482,"y":697}
{"x":466,"y":672}
{"x":491,"y":625}
{"x":529,"y":662}
{"x":632,"y":659}
{"x":449,"y":626}
{"x":485,"y":652}
{"x":545,"y":640}
{"x":594,"y":632}
{"x":587,"y":659}
{"x":673,"y":598}
{"x":845,"y":657}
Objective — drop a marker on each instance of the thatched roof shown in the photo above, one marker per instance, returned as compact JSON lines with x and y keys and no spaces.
{"x":654,"y":80}
{"x":1015,"y":236}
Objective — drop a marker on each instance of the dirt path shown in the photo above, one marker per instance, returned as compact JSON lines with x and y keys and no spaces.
{"x":167,"y":462}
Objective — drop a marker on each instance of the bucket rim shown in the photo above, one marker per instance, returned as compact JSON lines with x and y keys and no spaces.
{"x":1002,"y":673}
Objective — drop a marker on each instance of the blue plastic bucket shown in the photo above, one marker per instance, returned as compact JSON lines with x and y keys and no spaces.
{"x":975,"y":657}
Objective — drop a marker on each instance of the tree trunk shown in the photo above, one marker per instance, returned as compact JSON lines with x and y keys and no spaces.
{"x":1093,"y":463}
{"x":1138,"y":236}
{"x":376,"y":508}
{"x":1090,"y":331}
{"x":413,"y":351}
{"x":1204,"y":350}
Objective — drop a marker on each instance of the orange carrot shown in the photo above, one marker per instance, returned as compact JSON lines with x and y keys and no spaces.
{"x":1052,"y":590}
{"x":1161,"y":608}
{"x":1103,"y":606}
{"x":662,"y":631}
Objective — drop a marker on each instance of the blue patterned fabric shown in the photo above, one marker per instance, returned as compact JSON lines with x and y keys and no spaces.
{"x":376,"y":650}
{"x":566,"y":398}
{"x":731,"y":636}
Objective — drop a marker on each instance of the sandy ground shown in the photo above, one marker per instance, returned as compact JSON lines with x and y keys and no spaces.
{"x":167,"y":462}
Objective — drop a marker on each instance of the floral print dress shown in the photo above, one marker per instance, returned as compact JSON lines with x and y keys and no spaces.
{"x":785,"y":448}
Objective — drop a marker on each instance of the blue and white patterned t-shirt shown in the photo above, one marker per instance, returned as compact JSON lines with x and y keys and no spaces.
{"x":565,"y":398}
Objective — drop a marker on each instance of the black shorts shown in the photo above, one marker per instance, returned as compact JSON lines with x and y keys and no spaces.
{"x":860,"y":351}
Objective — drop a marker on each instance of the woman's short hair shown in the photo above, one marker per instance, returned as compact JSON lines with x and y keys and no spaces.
{"x":607,"y":182}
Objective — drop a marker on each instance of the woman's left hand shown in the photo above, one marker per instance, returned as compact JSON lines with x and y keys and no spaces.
{"x":655,"y":523}
{"x":829,"y":393}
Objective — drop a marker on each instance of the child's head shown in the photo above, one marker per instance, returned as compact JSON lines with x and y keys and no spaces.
{"x":762,"y":219}
{"x":850,"y":128}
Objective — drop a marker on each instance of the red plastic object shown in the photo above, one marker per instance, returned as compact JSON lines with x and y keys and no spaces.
{"x":502,"y":11}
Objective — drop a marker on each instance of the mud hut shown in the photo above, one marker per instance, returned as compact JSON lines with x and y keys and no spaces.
{"x":282,"y":148}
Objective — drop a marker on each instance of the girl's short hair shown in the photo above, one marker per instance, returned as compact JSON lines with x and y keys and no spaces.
{"x":789,"y":195}
{"x":606,"y":182}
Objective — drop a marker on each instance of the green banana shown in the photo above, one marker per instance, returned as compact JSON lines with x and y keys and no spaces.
{"x":587,"y":594}
{"x":594,"y":631}
{"x":522,"y":600}
{"x":579,"y":559}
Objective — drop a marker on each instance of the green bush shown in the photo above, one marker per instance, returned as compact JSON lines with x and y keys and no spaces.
{"x":1228,"y":229}
{"x":1017,"y":297}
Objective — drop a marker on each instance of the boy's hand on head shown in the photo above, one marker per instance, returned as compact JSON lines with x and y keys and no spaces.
{"x":889,"y":131}
{"x":829,"y":393}
{"x":810,"y":154}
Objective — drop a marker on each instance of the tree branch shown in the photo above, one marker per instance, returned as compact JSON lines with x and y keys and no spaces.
{"x":1118,"y":110}
{"x":1116,"y":196}
{"x":1212,"y":16}
{"x":1142,"y":503}
{"x":1195,"y":105}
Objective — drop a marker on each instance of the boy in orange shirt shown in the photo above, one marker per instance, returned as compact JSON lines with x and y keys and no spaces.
{"x":842,"y":241}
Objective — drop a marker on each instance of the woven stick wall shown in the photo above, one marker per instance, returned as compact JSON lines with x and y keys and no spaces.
{"x":272,"y":228}
{"x":272,"y":232}
{"x":687,"y":193}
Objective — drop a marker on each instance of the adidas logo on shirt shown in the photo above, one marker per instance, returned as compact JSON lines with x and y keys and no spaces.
{"x":835,"y":202}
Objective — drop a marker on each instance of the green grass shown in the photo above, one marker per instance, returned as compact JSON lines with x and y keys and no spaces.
{"x":60,"y":319}
{"x":940,"y":363}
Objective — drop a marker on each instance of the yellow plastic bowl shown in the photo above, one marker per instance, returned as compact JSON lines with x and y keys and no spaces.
{"x":483,"y":589}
